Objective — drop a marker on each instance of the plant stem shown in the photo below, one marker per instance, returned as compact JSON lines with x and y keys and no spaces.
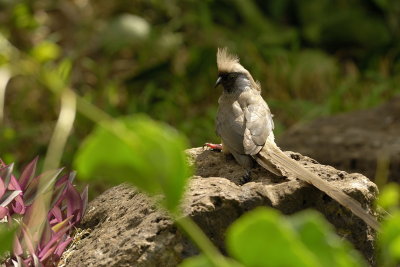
{"x":62,"y":130}
{"x":4,"y":78}
{"x":185,"y":223}
{"x":202,"y":241}
{"x":36,"y":217}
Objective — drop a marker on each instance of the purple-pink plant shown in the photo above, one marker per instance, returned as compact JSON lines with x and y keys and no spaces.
{"x":66,"y":210}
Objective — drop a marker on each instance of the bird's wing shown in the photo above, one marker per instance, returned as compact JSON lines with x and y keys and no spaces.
{"x":244,"y":125}
{"x":258,"y":123}
{"x":230,"y":126}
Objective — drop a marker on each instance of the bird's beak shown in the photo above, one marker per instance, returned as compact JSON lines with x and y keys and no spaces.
{"x":218,"y":81}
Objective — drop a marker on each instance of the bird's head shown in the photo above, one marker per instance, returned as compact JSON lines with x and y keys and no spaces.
{"x":231,"y":74}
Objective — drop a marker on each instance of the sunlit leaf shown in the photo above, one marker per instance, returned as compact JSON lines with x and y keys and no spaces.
{"x":263,"y":237}
{"x":389,"y":196}
{"x":148,"y":154}
{"x":45,"y":51}
{"x":318,"y":236}
{"x":389,"y":240}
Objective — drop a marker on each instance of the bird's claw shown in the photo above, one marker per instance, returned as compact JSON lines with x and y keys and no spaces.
{"x":213,"y":147}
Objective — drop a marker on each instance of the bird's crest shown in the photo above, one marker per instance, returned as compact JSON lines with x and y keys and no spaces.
{"x":228,"y":62}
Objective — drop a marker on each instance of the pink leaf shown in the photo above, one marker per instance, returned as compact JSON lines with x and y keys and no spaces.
{"x":48,"y":253}
{"x":68,"y":177}
{"x":61,"y":247}
{"x":11,"y":196}
{"x":74,"y":202}
{"x":46,"y":179}
{"x":53,"y":221}
{"x":56,"y":212}
{"x":5,"y":174}
{"x":19,"y":206}
{"x":14,"y":185}
{"x":61,"y":188}
{"x":55,"y":239}
{"x":30,"y":190}
{"x":58,"y":195}
{"x":28,"y":173}
{"x":28,"y":262}
{"x":2,"y":188}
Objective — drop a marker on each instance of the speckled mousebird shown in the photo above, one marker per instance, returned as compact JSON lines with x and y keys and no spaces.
{"x":245,"y":125}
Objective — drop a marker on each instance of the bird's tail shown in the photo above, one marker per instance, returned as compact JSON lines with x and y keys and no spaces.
{"x":272,"y":155}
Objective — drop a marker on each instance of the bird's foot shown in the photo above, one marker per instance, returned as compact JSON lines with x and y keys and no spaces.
{"x":214,"y":147}
{"x":245,"y":178}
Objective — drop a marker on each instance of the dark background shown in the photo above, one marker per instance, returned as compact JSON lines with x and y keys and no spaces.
{"x":313,"y":58}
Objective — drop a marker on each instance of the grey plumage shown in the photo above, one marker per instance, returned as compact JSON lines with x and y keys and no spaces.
{"x":245,"y":125}
{"x":244,"y":122}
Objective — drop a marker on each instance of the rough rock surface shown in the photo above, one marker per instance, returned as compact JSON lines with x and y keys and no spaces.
{"x":352,"y":141}
{"x":127,"y":229}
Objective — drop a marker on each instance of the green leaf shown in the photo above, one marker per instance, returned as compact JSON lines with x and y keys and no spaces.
{"x":202,"y":261}
{"x":46,"y":51}
{"x":389,"y":240}
{"x":263,"y":237}
{"x":318,"y":236}
{"x":64,"y":69}
{"x":138,"y":150}
{"x":6,"y":237}
{"x":23,"y":17}
{"x":198,"y":261}
{"x":389,"y":196}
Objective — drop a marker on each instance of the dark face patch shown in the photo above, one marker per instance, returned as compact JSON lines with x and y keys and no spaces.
{"x":228,"y":80}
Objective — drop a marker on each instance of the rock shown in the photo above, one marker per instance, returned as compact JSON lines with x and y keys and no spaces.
{"x":128,"y":230}
{"x":352,"y":141}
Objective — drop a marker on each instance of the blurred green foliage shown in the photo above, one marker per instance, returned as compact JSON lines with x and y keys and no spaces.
{"x":313,"y":58}
{"x":389,"y":236}
{"x":390,"y":241}
{"x":138,"y":150}
{"x":6,"y":237}
{"x":264,"y":237}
